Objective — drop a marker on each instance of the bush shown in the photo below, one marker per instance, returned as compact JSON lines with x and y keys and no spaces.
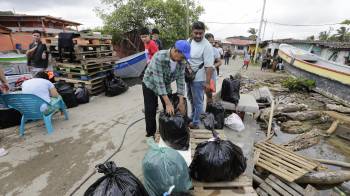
{"x":299,"y":84}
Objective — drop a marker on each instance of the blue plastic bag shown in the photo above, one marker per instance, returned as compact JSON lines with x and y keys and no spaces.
{"x":162,"y":168}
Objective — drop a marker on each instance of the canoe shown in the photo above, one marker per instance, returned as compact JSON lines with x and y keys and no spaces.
{"x":331,"y":78}
{"x":131,"y":66}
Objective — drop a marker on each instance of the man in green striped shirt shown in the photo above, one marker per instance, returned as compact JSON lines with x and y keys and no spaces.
{"x":165,"y":67}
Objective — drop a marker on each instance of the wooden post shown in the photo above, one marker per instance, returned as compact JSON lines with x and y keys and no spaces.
{"x":270,"y":119}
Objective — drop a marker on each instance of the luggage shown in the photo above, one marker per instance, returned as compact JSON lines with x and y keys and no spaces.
{"x":117,"y":181}
{"x":219,"y":114}
{"x":67,"y":93}
{"x":230,"y":90}
{"x":114,"y":85}
{"x":217,"y":160}
{"x":162,"y":168}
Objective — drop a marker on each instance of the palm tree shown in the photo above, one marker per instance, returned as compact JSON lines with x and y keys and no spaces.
{"x":323,"y":36}
{"x":311,"y":38}
{"x":342,"y":34}
{"x":252,"y":32}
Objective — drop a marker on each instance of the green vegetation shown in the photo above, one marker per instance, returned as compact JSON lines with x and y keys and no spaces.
{"x":299,"y":84}
{"x":168,"y":16}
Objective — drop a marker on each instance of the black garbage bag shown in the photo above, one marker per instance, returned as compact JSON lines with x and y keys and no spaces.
{"x":208,"y":121}
{"x":67,"y":93}
{"x":114,"y":85}
{"x":9,"y":117}
{"x":174,"y":98}
{"x":174,"y":130}
{"x":217,"y":160}
{"x":230,"y":90}
{"x":219,"y":113}
{"x":117,"y":181}
{"x":82,"y":95}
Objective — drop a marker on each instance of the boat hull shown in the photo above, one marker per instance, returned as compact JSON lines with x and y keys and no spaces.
{"x":131,"y":66}
{"x":333,"y":83}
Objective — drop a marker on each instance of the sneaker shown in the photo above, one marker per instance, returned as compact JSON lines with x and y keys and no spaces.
{"x":192,"y":126}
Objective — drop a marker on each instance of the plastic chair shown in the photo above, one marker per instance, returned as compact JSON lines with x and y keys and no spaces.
{"x":29,"y":106}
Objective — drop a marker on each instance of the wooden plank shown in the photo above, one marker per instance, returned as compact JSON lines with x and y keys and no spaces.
{"x":277,"y":170}
{"x":283,"y":150}
{"x":238,"y":182}
{"x":296,"y":187}
{"x":284,"y":186}
{"x":284,"y":162}
{"x":268,"y":189}
{"x":261,"y":192}
{"x":222,"y":192}
{"x":307,"y":164}
{"x":288,"y":158}
{"x":290,"y":171}
{"x":277,"y":187}
{"x":299,"y":157}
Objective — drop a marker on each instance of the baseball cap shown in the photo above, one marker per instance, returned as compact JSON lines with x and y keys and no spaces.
{"x":184,"y":47}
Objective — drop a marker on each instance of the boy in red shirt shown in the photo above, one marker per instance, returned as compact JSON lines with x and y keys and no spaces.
{"x":150,"y":46}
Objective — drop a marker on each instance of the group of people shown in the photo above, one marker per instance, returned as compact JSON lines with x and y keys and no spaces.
{"x":196,"y":56}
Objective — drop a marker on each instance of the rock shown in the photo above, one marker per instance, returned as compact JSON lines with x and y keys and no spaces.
{"x":338,"y":108}
{"x":295,"y":127}
{"x":302,"y":116}
{"x":292,"y":107}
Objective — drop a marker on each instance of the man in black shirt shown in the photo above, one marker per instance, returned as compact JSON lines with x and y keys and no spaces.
{"x":37,"y":55}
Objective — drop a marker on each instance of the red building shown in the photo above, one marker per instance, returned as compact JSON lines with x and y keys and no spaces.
{"x":16,"y":30}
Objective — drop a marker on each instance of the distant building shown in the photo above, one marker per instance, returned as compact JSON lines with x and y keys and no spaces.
{"x":21,"y":26}
{"x":338,"y":52}
{"x":239,"y":44}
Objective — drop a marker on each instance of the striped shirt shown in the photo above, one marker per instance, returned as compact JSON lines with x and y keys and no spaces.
{"x":158,"y":76}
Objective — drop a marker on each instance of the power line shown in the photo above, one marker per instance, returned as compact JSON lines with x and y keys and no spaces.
{"x":275,"y":23}
{"x":231,"y":22}
{"x":302,"y":25}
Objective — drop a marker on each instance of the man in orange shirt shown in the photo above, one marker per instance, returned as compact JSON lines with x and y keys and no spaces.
{"x":150,"y":46}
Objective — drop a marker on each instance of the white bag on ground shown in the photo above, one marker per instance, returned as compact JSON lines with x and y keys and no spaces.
{"x":234,"y":122}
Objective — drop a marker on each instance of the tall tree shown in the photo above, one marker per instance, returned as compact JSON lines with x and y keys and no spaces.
{"x":343,"y":34}
{"x":323,"y":36}
{"x":169,"y":16}
{"x":311,"y":38}
{"x":252,"y":32}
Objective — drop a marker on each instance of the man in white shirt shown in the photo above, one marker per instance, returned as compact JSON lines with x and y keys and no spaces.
{"x":202,"y":63}
{"x":43,"y":88}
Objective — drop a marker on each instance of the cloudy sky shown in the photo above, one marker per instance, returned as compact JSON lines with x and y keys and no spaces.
{"x":226,"y":12}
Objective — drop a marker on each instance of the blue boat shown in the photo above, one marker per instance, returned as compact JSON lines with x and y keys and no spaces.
{"x":131,"y":66}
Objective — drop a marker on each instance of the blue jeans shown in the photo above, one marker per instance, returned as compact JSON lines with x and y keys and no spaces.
{"x":195,"y":94}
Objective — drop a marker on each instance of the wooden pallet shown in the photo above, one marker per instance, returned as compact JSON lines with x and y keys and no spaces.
{"x":78,"y":76}
{"x":95,"y":86}
{"x":282,"y":162}
{"x":275,"y":186}
{"x":239,"y":186}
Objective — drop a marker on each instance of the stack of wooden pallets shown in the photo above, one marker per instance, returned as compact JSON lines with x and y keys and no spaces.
{"x":88,"y":63}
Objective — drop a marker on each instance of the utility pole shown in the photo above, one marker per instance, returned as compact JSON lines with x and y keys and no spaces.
{"x":259,"y":32}
{"x":187,"y":20}
{"x":263,"y":35}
